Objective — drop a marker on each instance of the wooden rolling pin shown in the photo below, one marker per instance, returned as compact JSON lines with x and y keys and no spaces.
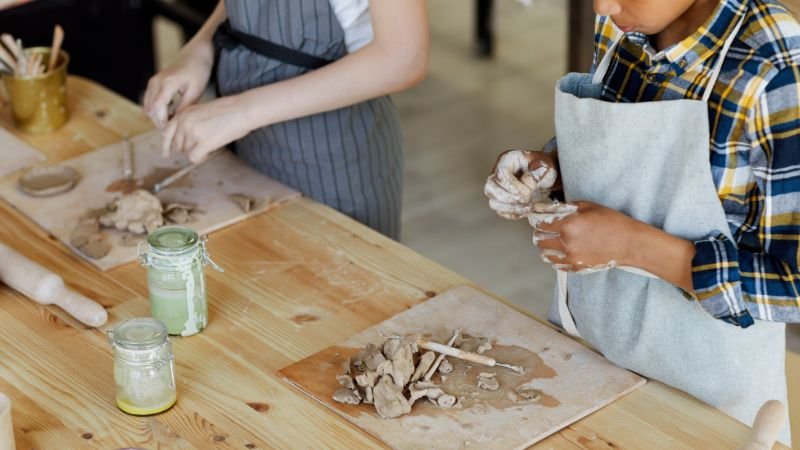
{"x":461,"y":354}
{"x":6,"y":428}
{"x":766,"y":427}
{"x":47,"y":288}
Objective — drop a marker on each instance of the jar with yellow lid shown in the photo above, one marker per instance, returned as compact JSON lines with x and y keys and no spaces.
{"x":175,"y":258}
{"x":144,"y":370}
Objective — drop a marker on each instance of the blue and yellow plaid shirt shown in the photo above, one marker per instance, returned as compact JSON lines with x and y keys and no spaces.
{"x":754,"y":114}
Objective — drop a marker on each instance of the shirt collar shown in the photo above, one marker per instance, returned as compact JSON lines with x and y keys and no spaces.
{"x":705,"y":42}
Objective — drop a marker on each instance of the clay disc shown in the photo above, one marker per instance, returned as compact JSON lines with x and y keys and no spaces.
{"x":48,"y":180}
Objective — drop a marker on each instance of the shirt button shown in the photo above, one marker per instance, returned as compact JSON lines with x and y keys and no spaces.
{"x":649,"y":77}
{"x":682,"y":63}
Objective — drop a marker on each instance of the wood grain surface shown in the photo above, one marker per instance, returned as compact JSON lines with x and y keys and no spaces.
{"x":298,"y":279}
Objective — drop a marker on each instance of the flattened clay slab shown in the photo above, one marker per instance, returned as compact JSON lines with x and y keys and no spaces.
{"x":44,"y":181}
{"x":570,"y":381}
{"x":208,"y":187}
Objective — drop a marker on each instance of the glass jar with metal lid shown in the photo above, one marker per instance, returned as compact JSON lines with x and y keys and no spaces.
{"x":175,"y":258}
{"x":144,"y":370}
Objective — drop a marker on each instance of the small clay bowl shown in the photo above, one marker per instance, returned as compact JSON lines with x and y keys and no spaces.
{"x":45,"y":181}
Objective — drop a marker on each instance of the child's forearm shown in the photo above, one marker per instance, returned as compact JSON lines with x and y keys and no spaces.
{"x":662,"y":254}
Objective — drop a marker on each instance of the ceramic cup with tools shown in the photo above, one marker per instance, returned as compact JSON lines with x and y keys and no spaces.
{"x":39,"y":102}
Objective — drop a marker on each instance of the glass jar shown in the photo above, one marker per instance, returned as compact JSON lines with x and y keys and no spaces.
{"x":174,"y":259}
{"x":144,"y":370}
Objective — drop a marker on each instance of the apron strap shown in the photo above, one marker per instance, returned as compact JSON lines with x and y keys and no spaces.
{"x":227,"y":37}
{"x":605,"y":63}
{"x":718,"y":66}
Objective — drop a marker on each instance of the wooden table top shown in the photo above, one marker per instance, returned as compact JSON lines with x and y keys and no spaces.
{"x":297,"y":279}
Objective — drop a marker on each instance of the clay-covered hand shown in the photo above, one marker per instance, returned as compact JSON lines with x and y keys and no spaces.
{"x":519,"y":179}
{"x":583,"y":236}
{"x":200,"y":129}
{"x":186,"y":78}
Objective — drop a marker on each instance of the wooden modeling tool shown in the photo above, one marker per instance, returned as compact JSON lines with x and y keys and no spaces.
{"x":8,"y":59}
{"x":19,"y":58}
{"x":161,"y":185}
{"x":6,"y":427}
{"x":47,"y":288}
{"x":58,"y":38}
{"x":766,"y":427}
{"x":466,"y":356}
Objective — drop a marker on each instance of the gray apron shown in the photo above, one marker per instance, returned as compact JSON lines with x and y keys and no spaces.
{"x":651,"y":162}
{"x":351,"y":159}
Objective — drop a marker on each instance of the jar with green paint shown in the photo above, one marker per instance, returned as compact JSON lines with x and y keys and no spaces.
{"x":175,"y":258}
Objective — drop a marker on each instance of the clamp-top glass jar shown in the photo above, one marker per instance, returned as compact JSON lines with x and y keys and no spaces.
{"x":175,"y":278}
{"x":144,"y":370}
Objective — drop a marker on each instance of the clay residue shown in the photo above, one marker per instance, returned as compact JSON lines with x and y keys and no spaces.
{"x":246,"y":203}
{"x":138,"y":212}
{"x":48,"y":180}
{"x":126,"y":186}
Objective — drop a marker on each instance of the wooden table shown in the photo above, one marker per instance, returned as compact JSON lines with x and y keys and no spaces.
{"x":298,"y":279}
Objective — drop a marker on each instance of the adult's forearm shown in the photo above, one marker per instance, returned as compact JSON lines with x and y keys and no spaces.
{"x":201,"y":44}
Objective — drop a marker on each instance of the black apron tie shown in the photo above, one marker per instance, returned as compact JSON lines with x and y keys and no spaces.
{"x":228,"y":38}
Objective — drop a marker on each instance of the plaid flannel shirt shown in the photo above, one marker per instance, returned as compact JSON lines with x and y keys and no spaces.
{"x":754,"y":114}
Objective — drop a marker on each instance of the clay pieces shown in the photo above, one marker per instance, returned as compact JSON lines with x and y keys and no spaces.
{"x":245,"y":203}
{"x":137,"y":212}
{"x":87,"y":237}
{"x":390,"y":377}
{"x":487,"y":381}
{"x":45,"y":181}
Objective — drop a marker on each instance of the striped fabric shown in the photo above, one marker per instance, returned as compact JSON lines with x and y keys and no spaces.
{"x":754,"y":114}
{"x":350,"y":159}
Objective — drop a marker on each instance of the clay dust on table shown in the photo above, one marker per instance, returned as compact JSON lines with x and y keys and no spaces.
{"x":127,"y":186}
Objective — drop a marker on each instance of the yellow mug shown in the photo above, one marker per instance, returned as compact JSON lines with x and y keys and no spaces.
{"x":39,"y":102}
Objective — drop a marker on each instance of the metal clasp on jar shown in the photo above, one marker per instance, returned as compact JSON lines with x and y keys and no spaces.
{"x":143,"y":255}
{"x":206,"y":258}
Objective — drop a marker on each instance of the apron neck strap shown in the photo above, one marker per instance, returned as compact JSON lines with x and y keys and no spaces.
{"x":605,"y":63}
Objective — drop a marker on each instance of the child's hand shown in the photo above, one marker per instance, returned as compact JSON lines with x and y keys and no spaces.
{"x":184,"y":81}
{"x":519,"y":179}
{"x":587,"y":236}
{"x":200,"y":129}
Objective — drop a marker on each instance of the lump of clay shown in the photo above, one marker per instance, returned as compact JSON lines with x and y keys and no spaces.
{"x":445,"y":400}
{"x":487,"y":381}
{"x":474,"y":344}
{"x":367,"y":379}
{"x":369,"y":358}
{"x":389,"y":400}
{"x":526,"y":394}
{"x":424,"y":364}
{"x":137,"y":212}
{"x":245,"y":203}
{"x":88,"y":239}
{"x":445,"y":366}
{"x":403,"y":363}
{"x":348,"y":396}
{"x":346,"y":381}
{"x":48,"y":180}
{"x":178,"y":213}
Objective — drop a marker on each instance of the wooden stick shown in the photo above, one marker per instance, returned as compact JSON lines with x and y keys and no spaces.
{"x":766,"y":427}
{"x":8,"y":60}
{"x":441,"y":356}
{"x":6,"y":427}
{"x":9,"y":41}
{"x":461,"y":354}
{"x":161,"y":185}
{"x":47,"y":288}
{"x":58,"y":38}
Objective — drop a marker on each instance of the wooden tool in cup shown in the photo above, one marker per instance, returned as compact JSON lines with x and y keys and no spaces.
{"x":55,"y":49}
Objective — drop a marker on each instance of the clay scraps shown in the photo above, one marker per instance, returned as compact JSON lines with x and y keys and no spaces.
{"x":392,"y":378}
{"x":136,"y":214}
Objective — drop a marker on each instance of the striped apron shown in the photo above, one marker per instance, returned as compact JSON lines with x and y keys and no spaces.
{"x":350,"y":159}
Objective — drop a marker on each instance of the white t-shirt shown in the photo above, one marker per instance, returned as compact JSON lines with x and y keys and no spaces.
{"x":356,"y":22}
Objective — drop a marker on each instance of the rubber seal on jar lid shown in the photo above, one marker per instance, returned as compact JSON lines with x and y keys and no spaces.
{"x":140,"y":333}
{"x":173,"y":239}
